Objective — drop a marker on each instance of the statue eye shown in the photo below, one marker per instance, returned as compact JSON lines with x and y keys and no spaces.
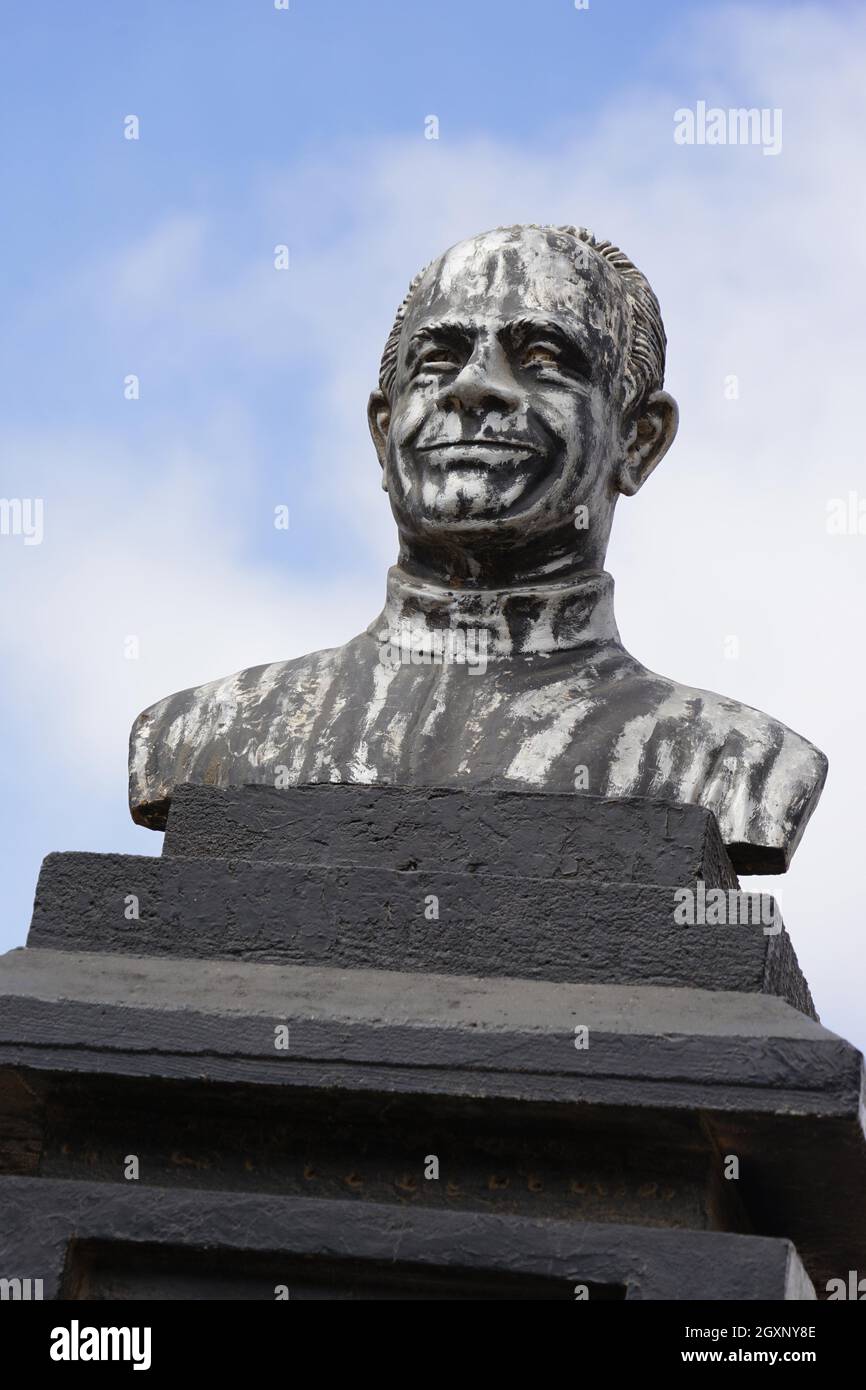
{"x":438,"y":359}
{"x":540,"y":355}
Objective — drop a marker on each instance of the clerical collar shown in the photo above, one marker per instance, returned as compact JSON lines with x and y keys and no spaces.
{"x":538,"y":620}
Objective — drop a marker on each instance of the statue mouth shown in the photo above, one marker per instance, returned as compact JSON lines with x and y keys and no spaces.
{"x":480,"y":452}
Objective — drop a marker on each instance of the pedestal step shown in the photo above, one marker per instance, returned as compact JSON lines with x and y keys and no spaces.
{"x":91,"y":1241}
{"x":524,"y":834}
{"x":437,"y":920}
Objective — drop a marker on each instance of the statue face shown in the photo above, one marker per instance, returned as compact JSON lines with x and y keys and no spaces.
{"x":506,"y":412}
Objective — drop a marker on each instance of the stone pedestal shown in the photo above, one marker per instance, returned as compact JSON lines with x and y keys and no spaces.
{"x":371,"y":1043}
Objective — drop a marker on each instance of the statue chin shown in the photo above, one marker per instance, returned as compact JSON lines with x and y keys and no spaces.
{"x":466,"y":500}
{"x":477,"y":517}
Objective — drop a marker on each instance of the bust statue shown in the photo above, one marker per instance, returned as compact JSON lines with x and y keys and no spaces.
{"x":520,"y":395}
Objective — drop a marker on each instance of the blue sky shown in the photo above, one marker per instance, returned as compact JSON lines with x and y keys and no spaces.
{"x":306,"y":127}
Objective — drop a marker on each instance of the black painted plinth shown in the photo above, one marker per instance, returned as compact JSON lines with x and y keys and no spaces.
{"x":284,"y":1044}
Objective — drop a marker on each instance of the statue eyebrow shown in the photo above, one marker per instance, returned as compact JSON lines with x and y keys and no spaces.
{"x":539,"y":325}
{"x":441,"y":328}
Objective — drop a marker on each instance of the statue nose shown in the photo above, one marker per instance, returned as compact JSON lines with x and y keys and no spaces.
{"x":484,"y":384}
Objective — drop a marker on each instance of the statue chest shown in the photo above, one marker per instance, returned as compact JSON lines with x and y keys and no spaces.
{"x":561,"y":727}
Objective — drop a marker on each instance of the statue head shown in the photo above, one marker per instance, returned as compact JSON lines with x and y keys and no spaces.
{"x":520,"y":393}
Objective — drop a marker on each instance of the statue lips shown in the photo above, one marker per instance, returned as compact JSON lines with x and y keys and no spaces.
{"x":480,"y":453}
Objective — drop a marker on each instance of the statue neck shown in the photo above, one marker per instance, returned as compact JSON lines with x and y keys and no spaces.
{"x":538,"y":619}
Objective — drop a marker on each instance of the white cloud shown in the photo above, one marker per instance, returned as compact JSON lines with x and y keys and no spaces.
{"x":159,"y":267}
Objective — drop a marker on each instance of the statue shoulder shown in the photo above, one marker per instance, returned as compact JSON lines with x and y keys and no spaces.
{"x":763,"y":784}
{"x":760,"y":778}
{"x":219,"y":731}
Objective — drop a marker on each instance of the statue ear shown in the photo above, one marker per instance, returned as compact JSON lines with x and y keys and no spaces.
{"x":379,"y":419}
{"x":651,"y":434}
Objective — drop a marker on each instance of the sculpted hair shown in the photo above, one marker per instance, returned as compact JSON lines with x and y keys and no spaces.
{"x":645,"y":355}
